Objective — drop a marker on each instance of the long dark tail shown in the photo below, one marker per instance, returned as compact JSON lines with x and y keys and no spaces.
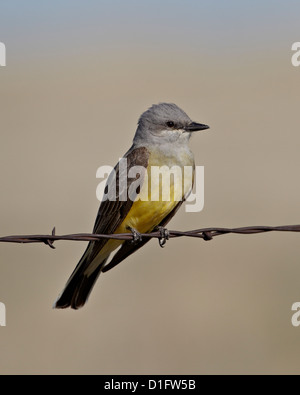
{"x":79,"y":286}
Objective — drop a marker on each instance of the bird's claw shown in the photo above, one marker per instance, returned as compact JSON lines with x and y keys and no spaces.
{"x":137,"y":237}
{"x":164,"y":236}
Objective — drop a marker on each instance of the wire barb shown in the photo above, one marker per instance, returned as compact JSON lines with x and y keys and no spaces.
{"x":164,"y":236}
{"x":49,"y":242}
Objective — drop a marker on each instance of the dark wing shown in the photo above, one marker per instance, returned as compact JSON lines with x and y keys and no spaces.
{"x":129,"y":248}
{"x":112,"y":213}
{"x":110,"y":216}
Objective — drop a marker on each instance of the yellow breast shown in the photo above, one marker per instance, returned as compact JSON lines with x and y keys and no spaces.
{"x":165,"y":185}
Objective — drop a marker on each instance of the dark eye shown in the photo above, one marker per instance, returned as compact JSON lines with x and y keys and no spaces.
{"x":170,"y":124}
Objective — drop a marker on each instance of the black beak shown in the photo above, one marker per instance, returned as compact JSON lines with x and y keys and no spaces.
{"x":194,"y":127}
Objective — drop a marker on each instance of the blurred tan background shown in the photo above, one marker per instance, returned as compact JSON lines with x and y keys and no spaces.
{"x":78,"y":76}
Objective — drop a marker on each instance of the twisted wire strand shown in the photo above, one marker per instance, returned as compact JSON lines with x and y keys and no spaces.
{"x":205,"y":234}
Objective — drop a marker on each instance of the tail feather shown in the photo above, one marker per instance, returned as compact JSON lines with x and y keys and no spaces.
{"x":78,"y":288}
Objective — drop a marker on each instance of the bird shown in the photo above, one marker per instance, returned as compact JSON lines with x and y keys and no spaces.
{"x":161,"y":140}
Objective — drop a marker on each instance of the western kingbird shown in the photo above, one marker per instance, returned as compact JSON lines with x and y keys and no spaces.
{"x":161,"y":139}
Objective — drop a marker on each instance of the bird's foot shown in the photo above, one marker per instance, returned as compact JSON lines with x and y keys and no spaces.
{"x":164,"y":236}
{"x":137,"y":237}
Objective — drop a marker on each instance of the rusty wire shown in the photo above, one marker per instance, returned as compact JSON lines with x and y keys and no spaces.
{"x":205,"y":234}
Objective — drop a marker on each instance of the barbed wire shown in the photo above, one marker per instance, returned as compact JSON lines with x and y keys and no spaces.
{"x":162,"y":235}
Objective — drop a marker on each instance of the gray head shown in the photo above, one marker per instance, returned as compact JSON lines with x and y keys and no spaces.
{"x":165,"y":122}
